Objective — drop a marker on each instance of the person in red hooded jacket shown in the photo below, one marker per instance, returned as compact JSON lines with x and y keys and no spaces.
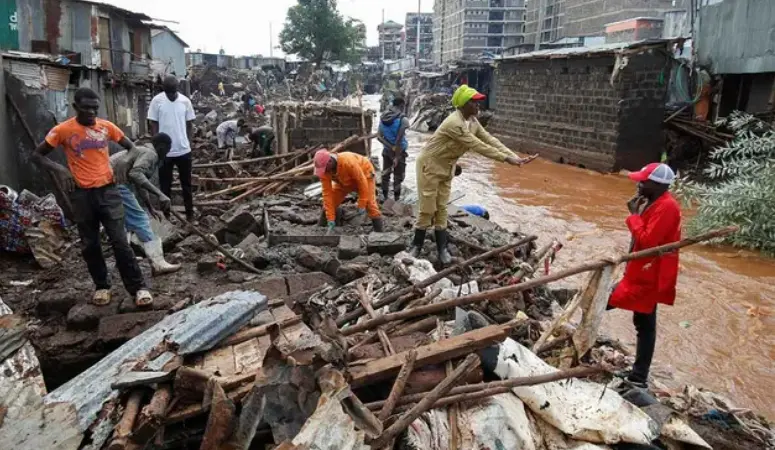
{"x":654,"y":220}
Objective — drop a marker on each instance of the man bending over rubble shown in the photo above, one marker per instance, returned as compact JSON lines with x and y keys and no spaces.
{"x":262,"y":139}
{"x":228,"y":131}
{"x":93,"y":192}
{"x":654,"y":220}
{"x":392,"y":134}
{"x":141,"y":169}
{"x":459,"y":133}
{"x":341,"y":174}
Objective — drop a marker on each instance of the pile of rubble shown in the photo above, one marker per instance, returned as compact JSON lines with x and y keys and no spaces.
{"x":283,"y":335}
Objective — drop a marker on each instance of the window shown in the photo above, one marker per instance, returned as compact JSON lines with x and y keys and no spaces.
{"x":496,"y":3}
{"x":546,"y":36}
{"x":496,"y":15}
{"x":495,"y":29}
{"x":495,"y":42}
{"x":133,"y":50}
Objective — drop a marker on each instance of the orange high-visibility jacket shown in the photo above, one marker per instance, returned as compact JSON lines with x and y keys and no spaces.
{"x":353,"y":173}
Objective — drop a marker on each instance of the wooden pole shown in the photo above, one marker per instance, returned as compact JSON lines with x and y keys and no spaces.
{"x":576,"y":372}
{"x":535,"y":282}
{"x":366,"y":303}
{"x":426,"y":403}
{"x":398,"y":386}
{"x":124,"y":427}
{"x":357,"y":312}
{"x":215,"y":245}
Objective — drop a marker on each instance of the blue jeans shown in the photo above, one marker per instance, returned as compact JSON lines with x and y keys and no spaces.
{"x":135,"y":218}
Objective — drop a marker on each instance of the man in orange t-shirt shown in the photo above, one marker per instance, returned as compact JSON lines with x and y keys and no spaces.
{"x":93,"y":192}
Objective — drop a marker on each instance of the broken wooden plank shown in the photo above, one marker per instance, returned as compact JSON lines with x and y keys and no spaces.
{"x":398,"y":386}
{"x":427,"y":402}
{"x":124,"y":427}
{"x":435,"y":353}
{"x":220,"y":362}
{"x":247,"y":356}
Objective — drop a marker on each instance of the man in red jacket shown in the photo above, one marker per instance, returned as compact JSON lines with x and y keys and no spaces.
{"x":654,"y":220}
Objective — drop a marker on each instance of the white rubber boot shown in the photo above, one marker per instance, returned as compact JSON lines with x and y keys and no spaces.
{"x":155,"y":253}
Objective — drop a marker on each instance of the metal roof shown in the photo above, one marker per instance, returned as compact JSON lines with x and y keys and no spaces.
{"x":567,"y":52}
{"x":125,"y":12}
{"x":194,"y":329}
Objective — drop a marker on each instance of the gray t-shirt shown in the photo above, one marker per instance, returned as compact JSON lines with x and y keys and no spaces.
{"x":146,"y":162}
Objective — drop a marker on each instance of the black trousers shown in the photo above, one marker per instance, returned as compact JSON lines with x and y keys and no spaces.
{"x":398,"y":173}
{"x":646,"y":329}
{"x":104,"y":206}
{"x":183,"y":163}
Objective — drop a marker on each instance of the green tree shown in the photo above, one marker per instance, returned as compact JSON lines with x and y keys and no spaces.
{"x":315,"y":30}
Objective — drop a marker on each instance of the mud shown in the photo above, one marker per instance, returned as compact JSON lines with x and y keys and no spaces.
{"x":721,"y":332}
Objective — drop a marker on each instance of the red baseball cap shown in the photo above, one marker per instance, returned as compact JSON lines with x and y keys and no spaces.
{"x":478,"y":96}
{"x":656,"y":172}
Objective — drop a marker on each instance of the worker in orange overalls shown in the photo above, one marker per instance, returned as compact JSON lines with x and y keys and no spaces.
{"x":341,"y":174}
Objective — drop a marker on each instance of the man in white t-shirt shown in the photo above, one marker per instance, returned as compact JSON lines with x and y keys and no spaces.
{"x":173,"y":114}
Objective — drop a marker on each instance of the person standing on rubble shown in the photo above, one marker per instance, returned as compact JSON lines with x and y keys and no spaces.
{"x":392,"y":134}
{"x":92,"y":189}
{"x":221,"y":89}
{"x":173,"y":114}
{"x":654,"y":220}
{"x":341,"y":174}
{"x":141,"y":168}
{"x":459,"y":133}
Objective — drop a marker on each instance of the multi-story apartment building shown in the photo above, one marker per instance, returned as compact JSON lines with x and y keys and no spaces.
{"x":467,"y":29}
{"x":577,"y":18}
{"x":423,"y":21}
{"x":391,"y":39}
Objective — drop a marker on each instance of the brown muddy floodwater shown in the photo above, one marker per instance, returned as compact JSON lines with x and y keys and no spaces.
{"x":720,"y":334}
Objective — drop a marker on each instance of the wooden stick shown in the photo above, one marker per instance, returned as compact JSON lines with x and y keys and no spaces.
{"x":398,"y":386}
{"x":262,"y":179}
{"x":215,"y":245}
{"x":427,"y":402}
{"x":357,"y":312}
{"x":454,"y":431}
{"x":535,"y":282}
{"x":393,"y":328}
{"x":124,"y":427}
{"x":576,"y":372}
{"x":261,"y":330}
{"x":229,"y":190}
{"x":366,"y":303}
{"x":247,"y":161}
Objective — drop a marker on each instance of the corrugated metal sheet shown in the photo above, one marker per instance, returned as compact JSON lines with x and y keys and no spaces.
{"x":192,"y":330}
{"x":737,"y":36}
{"x":56,"y":78}
{"x":21,"y":383}
{"x":581,"y":51}
{"x":29,"y":73}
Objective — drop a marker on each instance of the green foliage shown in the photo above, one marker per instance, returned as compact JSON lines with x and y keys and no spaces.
{"x":740,"y":187}
{"x":315,"y":30}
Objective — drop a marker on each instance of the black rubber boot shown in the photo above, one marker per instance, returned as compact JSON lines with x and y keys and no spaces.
{"x":417,"y":243}
{"x":323,"y":221}
{"x":378,"y":224}
{"x":441,"y":244}
{"x":396,"y":193}
{"x":385,"y":193}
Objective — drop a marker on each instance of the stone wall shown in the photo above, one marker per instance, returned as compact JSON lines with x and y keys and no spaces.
{"x":567,"y":110}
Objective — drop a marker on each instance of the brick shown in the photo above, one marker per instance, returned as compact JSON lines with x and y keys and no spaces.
{"x":119,"y":328}
{"x":240,"y":219}
{"x":86,"y":316}
{"x":207,"y":264}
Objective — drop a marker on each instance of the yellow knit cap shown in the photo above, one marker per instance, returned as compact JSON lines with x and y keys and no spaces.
{"x":464,"y":94}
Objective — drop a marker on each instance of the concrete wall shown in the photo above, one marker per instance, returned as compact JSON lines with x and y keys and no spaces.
{"x":165,"y":47}
{"x":302,"y":127}
{"x":567,"y":110}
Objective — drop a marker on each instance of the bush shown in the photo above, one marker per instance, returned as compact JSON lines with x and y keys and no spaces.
{"x":739,"y":187}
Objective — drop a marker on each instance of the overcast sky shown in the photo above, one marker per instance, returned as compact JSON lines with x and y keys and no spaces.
{"x":242,"y":27}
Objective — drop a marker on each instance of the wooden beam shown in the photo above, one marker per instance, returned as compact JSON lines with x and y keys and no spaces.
{"x":435,"y":353}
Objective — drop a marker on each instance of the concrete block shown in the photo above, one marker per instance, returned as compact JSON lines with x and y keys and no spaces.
{"x":58,"y":302}
{"x":312,"y":257}
{"x":385,"y":243}
{"x":304,"y":282}
{"x":119,"y":328}
{"x":207,"y":264}
{"x":86,"y":316}
{"x":240,"y":219}
{"x":350,"y":247}
{"x":272,"y":288}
